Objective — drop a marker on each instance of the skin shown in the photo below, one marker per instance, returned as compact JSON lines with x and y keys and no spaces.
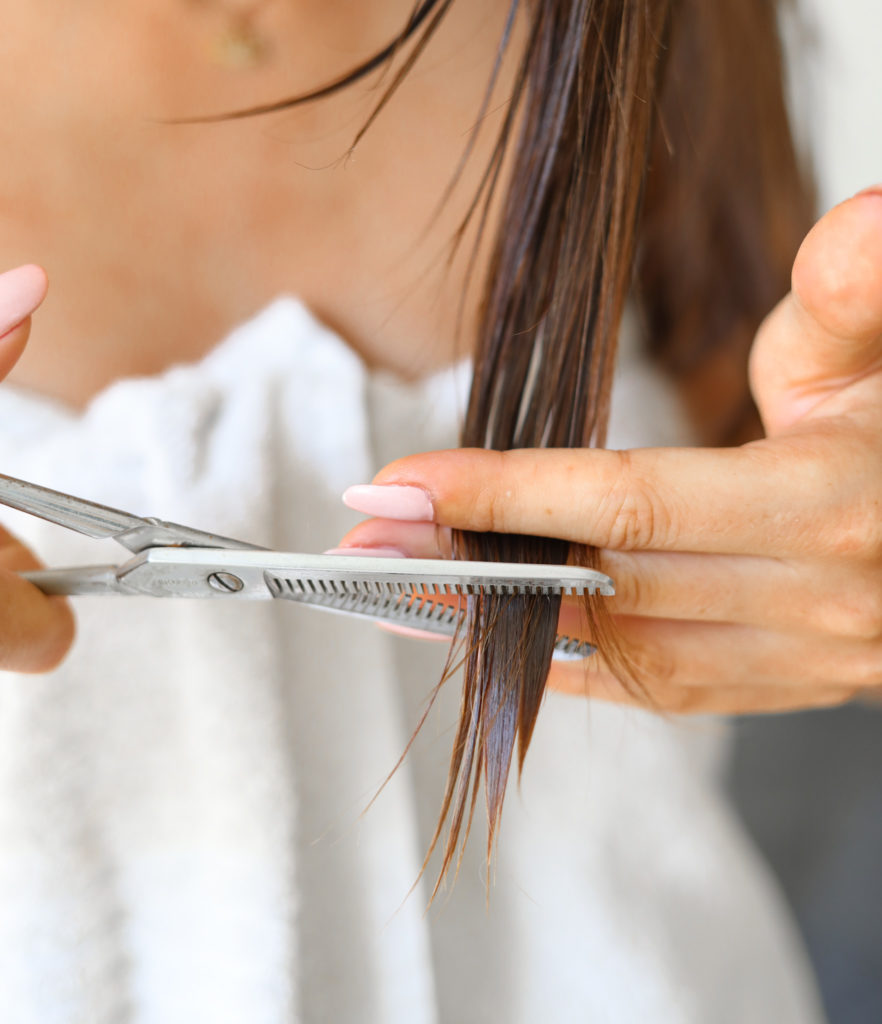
{"x":748,"y":579}
{"x":36,"y":631}
{"x":158,"y":239}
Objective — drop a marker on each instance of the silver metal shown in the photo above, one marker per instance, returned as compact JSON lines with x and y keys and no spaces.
{"x":185,"y":572}
{"x":101,"y":522}
{"x":85,"y":580}
{"x":177,"y":561}
{"x":421,"y":611}
{"x":226,"y":582}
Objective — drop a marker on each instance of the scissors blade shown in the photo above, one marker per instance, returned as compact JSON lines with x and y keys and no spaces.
{"x":101,"y":522}
{"x":427,"y":613}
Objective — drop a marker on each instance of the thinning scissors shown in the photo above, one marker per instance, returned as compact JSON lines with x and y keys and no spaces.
{"x":179,"y":561}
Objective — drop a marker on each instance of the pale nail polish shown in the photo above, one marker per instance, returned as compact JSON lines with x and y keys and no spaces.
{"x":21,"y":291}
{"x":367,"y":552}
{"x":390,"y":501}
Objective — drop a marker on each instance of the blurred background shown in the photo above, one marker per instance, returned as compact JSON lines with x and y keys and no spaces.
{"x":809,"y":785}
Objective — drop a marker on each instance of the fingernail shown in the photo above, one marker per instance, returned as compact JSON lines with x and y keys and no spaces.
{"x":367,"y":552}
{"x":21,"y":291}
{"x":873,"y":190}
{"x":390,"y":501}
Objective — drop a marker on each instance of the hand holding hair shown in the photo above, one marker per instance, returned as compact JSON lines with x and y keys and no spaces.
{"x":35,"y":630}
{"x":748,"y":579}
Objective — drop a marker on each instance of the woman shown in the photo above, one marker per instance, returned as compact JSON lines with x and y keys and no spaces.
{"x":189,"y":852}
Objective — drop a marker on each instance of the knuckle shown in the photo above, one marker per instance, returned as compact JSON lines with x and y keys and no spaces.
{"x":495,"y":511}
{"x":843,"y":695}
{"x":678,"y":700}
{"x":865,"y":668}
{"x":495,"y":493}
{"x":850,"y":500}
{"x":655,"y":672}
{"x":857,"y":533}
{"x":635,"y":592}
{"x":635,"y":517}
{"x":629,"y":591}
{"x":859,"y":617}
{"x":838,"y":503}
{"x":839,"y":604}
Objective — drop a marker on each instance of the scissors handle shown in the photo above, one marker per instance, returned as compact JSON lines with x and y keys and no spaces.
{"x":93,"y":579}
{"x":102,"y":522}
{"x":86,"y":517}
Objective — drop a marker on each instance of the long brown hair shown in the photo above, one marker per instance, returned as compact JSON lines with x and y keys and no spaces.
{"x":647,"y":153}
{"x":654,"y":158}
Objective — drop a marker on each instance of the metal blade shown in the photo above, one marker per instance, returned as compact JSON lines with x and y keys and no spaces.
{"x":243,"y":575}
{"x":427,"y":612}
{"x":101,"y":522}
{"x":194,"y":572}
{"x":85,"y":517}
{"x":419,"y":593}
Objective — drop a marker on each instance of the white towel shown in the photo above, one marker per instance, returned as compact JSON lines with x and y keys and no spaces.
{"x":181,"y":826}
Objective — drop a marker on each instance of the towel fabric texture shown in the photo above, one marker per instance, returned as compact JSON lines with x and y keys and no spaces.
{"x":183,"y":832}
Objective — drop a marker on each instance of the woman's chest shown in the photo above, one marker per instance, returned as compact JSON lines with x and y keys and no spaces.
{"x":159,"y":238}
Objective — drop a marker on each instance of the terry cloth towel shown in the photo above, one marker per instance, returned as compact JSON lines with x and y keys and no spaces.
{"x":183,"y":833}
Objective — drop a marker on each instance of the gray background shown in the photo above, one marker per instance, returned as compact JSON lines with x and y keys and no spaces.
{"x":809,"y":786}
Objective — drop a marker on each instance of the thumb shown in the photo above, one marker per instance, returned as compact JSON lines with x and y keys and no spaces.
{"x":826,"y":335}
{"x":36,"y":631}
{"x":21,"y":291}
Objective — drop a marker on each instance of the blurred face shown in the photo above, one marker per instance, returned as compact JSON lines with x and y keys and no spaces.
{"x":159,"y":238}
{"x":159,"y":57}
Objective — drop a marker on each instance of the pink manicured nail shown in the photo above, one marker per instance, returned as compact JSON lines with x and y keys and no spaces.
{"x":21,"y":291}
{"x":390,"y":501}
{"x":367,"y":552}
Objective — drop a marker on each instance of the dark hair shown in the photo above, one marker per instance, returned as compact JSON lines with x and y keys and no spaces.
{"x":647,"y":153}
{"x":654,"y":157}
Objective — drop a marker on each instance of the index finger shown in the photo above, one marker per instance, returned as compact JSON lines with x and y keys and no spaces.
{"x":726,"y":501}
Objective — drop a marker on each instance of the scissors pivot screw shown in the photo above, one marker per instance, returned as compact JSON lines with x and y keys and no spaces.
{"x":226,"y":582}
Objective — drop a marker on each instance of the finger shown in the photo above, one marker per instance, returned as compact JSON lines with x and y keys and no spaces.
{"x":412,"y":540}
{"x":770,"y":592}
{"x":364,"y":542}
{"x":579,"y":680}
{"x":723,"y":501}
{"x":592,"y":677}
{"x":704,"y":588}
{"x":21,"y":292}
{"x":36,"y":631}
{"x":709,"y":655}
{"x":792,"y":596}
{"x":828,"y":332}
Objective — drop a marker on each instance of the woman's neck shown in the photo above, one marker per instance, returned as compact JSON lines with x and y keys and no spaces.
{"x":159,"y":238}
